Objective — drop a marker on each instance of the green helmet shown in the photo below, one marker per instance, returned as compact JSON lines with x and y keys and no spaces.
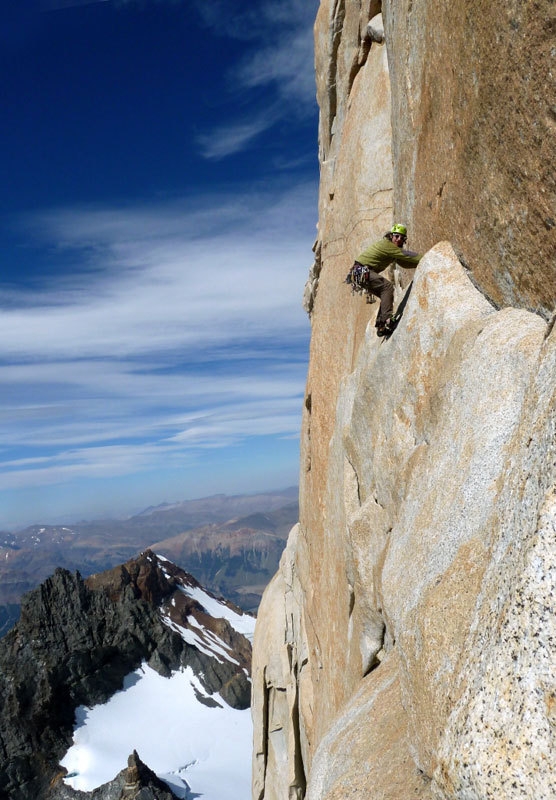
{"x":399,"y":229}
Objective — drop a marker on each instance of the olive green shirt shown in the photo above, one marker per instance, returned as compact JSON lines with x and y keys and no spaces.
{"x":382,"y":253}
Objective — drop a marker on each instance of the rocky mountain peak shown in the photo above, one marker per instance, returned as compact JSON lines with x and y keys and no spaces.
{"x":77,"y":640}
{"x":142,"y":577}
{"x":135,"y":782}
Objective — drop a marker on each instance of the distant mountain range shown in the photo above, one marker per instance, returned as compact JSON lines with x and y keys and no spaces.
{"x":236,"y":558}
{"x":231,"y":544}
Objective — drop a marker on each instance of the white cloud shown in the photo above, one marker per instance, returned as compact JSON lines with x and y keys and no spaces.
{"x":288,"y":65}
{"x":211,"y":428}
{"x":185,"y":332}
{"x":278,"y":57}
{"x":161,"y":281}
{"x":258,"y":20}
{"x":230,"y":139}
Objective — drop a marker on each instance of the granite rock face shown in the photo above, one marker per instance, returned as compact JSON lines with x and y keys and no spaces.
{"x":409,"y":647}
{"x":474,"y":126}
{"x":406,"y":646}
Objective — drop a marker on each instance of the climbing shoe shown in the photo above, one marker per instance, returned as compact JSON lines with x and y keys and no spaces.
{"x":386,"y":328}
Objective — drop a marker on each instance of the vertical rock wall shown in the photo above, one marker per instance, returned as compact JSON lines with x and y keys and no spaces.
{"x":474,"y":110}
{"x":404,"y":647}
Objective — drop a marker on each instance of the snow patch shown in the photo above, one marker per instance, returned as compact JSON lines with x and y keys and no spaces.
{"x":213,"y":640}
{"x":242,"y":623}
{"x":194,"y":640}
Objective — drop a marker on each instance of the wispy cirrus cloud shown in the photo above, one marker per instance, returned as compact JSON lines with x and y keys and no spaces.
{"x":182,"y":333}
{"x":286,"y":64}
{"x":278,"y":59}
{"x":229,"y":139}
{"x":143,"y":338}
{"x":210,"y":429}
{"x":159,"y":279}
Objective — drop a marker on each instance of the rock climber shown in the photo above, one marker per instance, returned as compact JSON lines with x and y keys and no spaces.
{"x":376,"y":258}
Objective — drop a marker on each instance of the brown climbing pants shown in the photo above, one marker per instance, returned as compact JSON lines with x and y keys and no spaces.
{"x":383,"y":289}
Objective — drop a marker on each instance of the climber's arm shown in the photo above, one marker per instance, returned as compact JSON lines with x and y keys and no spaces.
{"x":408,"y":259}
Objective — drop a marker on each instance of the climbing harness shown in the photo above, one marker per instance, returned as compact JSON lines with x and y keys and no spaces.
{"x":357,"y":278}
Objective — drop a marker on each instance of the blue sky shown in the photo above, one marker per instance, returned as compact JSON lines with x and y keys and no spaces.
{"x":157,"y":212}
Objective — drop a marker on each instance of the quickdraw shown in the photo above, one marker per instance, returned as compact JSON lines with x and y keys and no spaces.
{"x":357,"y":278}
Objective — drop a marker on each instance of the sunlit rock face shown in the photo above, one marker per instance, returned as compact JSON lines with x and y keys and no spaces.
{"x":416,"y":627}
{"x":474,"y":127}
{"x":404,"y":647}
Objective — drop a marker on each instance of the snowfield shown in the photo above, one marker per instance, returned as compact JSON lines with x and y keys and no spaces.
{"x":195,"y":748}
{"x":188,"y":745}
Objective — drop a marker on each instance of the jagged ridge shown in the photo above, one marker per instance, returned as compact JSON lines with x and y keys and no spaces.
{"x":76,"y":641}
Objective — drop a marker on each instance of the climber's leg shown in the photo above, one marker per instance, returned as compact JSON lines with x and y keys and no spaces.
{"x":383,"y":289}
